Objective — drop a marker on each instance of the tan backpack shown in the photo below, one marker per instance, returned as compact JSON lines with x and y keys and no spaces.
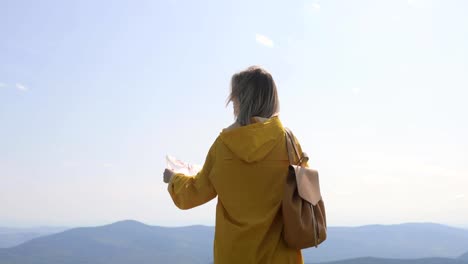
{"x":305,"y":223}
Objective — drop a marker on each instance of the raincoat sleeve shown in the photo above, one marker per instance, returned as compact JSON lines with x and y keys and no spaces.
{"x":191,"y":191}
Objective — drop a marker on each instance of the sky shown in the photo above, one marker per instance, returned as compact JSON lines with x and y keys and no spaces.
{"x":95,"y":94}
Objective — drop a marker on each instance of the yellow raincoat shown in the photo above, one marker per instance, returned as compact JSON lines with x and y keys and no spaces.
{"x":246,"y":167}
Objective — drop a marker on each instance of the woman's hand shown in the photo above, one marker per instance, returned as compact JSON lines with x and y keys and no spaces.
{"x":168,"y":175}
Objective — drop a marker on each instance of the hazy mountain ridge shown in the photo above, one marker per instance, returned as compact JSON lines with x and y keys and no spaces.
{"x":372,"y":260}
{"x":10,"y":237}
{"x":134,"y":242}
{"x":402,"y":241}
{"x":464,"y":256}
{"x":121,"y":242}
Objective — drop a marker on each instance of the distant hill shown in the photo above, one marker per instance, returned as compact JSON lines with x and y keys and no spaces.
{"x":464,"y":256}
{"x":370,"y":260}
{"x":122,"y":242}
{"x":10,"y":237}
{"x":132,"y":242}
{"x":403,"y":241}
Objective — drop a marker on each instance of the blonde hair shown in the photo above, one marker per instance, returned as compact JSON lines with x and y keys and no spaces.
{"x":254,"y":92}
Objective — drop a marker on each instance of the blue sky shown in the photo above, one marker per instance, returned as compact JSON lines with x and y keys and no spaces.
{"x":94,"y":94}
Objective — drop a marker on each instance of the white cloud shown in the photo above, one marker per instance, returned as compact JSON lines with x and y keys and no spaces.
{"x":315,"y":6}
{"x":264,"y":40}
{"x":21,"y":87}
{"x":356,"y":90}
{"x":312,"y":6}
{"x":2,"y":84}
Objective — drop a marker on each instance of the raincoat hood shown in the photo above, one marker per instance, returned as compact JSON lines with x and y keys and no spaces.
{"x":253,"y":142}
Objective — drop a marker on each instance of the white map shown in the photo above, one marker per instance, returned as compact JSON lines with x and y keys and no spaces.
{"x":179,"y":166}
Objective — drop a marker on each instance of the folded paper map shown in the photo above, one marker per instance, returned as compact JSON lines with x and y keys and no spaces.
{"x":179,"y":166}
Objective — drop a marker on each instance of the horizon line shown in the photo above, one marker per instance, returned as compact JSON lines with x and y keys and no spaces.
{"x":191,"y":225}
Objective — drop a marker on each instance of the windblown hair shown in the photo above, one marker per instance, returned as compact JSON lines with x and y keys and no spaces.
{"x":254,"y":93}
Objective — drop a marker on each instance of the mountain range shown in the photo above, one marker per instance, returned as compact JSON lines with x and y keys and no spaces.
{"x":372,"y":260}
{"x":134,"y":242}
{"x":10,"y":237}
{"x":402,"y":241}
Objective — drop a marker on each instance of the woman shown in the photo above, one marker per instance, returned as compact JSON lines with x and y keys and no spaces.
{"x":246,"y":167}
